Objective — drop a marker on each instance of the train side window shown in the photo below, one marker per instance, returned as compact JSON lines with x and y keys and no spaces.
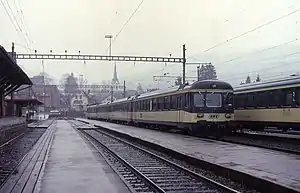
{"x":271,"y":99}
{"x":136,"y":106}
{"x":240,"y":101}
{"x":289,"y":97}
{"x":243,"y":101}
{"x":146,"y":105}
{"x":262,"y":99}
{"x":173,"y":102}
{"x":151,"y":104}
{"x":250,"y":100}
{"x":187,"y":100}
{"x":237,"y":101}
{"x":161,"y":103}
{"x":140,"y":105}
{"x":179,"y":102}
{"x":158,"y":104}
{"x":167,"y":102}
{"x":278,"y":98}
{"x":297,"y":97}
{"x":154,"y":105}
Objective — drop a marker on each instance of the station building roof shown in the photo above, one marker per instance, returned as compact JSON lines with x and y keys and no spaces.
{"x":11,"y":75}
{"x":25,"y":102}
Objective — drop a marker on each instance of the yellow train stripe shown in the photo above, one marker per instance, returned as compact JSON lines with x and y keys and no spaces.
{"x":283,"y":115}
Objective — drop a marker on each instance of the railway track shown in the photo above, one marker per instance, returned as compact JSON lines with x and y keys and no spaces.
{"x":144,"y":171}
{"x":14,"y":139}
{"x":13,"y":151}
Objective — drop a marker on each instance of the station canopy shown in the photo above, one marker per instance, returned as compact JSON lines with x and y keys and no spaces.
{"x":25,"y":102}
{"x":11,"y":75}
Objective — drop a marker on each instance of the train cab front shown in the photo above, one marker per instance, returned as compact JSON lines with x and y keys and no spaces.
{"x":214,"y":111}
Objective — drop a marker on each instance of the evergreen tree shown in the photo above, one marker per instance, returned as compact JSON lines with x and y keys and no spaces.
{"x":258,"y":78}
{"x":248,"y":80}
{"x":207,"y":72}
{"x":70,"y":83}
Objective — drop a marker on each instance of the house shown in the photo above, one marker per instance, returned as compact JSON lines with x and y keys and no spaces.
{"x":79,"y":102}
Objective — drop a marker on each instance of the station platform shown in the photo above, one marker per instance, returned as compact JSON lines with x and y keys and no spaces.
{"x":73,"y":166}
{"x":8,"y":122}
{"x":41,"y":124}
{"x":278,"y":167}
{"x":278,"y":135}
{"x":65,"y":163}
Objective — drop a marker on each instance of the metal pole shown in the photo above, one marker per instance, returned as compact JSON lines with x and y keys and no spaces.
{"x":198,"y":72}
{"x":110,"y":46}
{"x":124,"y":89}
{"x":109,"y":36}
{"x":44,"y":99}
{"x":12,"y":93}
{"x":111,"y":93}
{"x":183,"y":65}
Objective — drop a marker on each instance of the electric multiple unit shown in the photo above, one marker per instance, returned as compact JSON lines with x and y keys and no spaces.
{"x":205,"y":107}
{"x":268,"y":104}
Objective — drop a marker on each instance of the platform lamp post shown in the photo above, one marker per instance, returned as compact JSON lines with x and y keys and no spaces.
{"x":109,"y":37}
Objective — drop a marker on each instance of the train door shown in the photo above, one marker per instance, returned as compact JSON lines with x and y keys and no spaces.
{"x":179,"y":108}
{"x":131,"y":110}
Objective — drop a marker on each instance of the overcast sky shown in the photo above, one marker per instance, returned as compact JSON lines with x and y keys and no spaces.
{"x":159,"y":28}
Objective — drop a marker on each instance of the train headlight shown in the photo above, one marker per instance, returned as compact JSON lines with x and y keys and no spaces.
{"x":228,"y":115}
{"x":200,"y":115}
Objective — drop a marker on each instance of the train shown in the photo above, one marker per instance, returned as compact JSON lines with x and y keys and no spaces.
{"x":55,"y":113}
{"x":267,"y":104}
{"x":202,"y":108}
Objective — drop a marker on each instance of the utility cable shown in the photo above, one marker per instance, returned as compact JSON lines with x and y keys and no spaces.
{"x":253,"y":30}
{"x":16,"y":28}
{"x":124,"y":25}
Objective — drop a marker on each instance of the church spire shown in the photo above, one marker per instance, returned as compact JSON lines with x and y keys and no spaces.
{"x":115,"y":79}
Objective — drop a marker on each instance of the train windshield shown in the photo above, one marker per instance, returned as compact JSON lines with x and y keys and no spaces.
{"x":198,"y":99}
{"x":213,"y":100}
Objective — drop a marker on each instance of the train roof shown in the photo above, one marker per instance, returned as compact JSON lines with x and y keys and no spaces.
{"x":292,"y":80}
{"x":211,"y":84}
{"x":203,"y":84}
